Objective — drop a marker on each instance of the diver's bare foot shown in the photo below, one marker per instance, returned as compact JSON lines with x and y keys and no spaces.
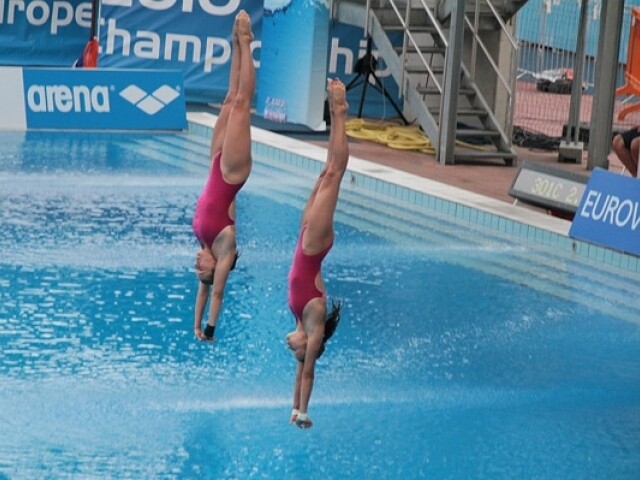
{"x":242,"y":26}
{"x":337,"y":96}
{"x":329,"y":94}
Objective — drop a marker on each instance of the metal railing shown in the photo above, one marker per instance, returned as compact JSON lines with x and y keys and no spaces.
{"x":509,"y":83}
{"x":404,"y":20}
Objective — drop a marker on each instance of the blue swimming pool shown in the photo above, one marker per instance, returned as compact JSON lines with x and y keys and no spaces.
{"x":463,"y":352}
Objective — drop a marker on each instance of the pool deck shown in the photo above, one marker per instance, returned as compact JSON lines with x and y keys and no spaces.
{"x":491,"y":179}
{"x":483,"y":186}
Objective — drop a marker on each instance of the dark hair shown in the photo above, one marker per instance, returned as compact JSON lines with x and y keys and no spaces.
{"x":333,"y":318}
{"x":235,"y":260}
{"x":233,"y":265}
{"x":331,"y":323}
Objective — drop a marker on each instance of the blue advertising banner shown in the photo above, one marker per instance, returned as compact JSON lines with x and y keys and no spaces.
{"x":104,"y":99}
{"x":294,"y":62}
{"x":609,"y":212}
{"x":43,"y":32}
{"x":194,"y":37}
{"x":191,"y":36}
{"x":293,"y":74}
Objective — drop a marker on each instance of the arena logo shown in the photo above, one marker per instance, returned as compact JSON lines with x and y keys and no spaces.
{"x":66,"y":98}
{"x":150,"y":103}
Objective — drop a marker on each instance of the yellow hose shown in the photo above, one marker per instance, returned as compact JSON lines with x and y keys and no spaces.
{"x":395,"y":136}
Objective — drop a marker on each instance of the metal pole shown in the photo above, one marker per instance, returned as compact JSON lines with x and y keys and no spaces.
{"x":611,"y":16}
{"x":474,"y":40}
{"x":571,"y":148}
{"x":451,"y":86}
{"x":366,"y":19}
{"x":578,"y":74}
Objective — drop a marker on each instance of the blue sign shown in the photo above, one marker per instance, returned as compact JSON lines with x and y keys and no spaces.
{"x":104,"y":99}
{"x":194,"y":37}
{"x":293,"y":73}
{"x":609,"y":212}
{"x":43,"y":32}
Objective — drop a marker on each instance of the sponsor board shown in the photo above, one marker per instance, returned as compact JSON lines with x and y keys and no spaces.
{"x":609,"y":212}
{"x":103,"y":99}
{"x":43,"y":32}
{"x":293,"y":74}
{"x":548,"y":187}
{"x":195,"y":37}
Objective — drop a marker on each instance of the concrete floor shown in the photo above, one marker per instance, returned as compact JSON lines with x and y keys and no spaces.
{"x":491,"y":180}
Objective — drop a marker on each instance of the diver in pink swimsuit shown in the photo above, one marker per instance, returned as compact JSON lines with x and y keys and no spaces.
{"x":214,"y":218}
{"x":307,"y":295}
{"x":302,"y":278}
{"x":212,"y":210}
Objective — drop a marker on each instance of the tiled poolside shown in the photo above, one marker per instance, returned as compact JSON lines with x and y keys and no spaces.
{"x":461,"y":191}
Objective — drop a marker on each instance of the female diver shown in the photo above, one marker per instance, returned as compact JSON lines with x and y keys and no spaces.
{"x":214,"y":218}
{"x":307,"y":295}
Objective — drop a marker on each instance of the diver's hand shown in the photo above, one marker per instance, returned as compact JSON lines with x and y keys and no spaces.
{"x":201,"y":336}
{"x":294,"y":415}
{"x":303,"y":421}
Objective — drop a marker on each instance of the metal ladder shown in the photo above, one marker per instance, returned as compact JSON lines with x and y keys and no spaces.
{"x":441,"y":69}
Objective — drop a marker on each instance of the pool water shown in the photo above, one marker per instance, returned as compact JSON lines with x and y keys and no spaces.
{"x":462,"y":353}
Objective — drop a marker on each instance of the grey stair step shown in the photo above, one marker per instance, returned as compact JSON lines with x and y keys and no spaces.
{"x":387,"y":16}
{"x":417,"y":15}
{"x":412,"y":28}
{"x":432,"y":49}
{"x":465,"y":112}
{"x":434,"y":91}
{"x":422,"y":69}
{"x":476,"y":132}
{"x":505,"y":9}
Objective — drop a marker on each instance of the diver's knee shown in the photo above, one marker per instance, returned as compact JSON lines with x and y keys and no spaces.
{"x":242,"y":101}
{"x":617,"y":143}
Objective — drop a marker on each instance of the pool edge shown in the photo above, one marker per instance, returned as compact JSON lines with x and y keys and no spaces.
{"x":472,"y":207}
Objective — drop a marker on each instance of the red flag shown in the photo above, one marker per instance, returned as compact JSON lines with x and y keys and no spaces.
{"x":90,"y":54}
{"x":89,"y":57}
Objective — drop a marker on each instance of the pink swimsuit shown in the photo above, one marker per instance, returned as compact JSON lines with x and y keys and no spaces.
{"x":302,"y":278}
{"x":212,"y":210}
